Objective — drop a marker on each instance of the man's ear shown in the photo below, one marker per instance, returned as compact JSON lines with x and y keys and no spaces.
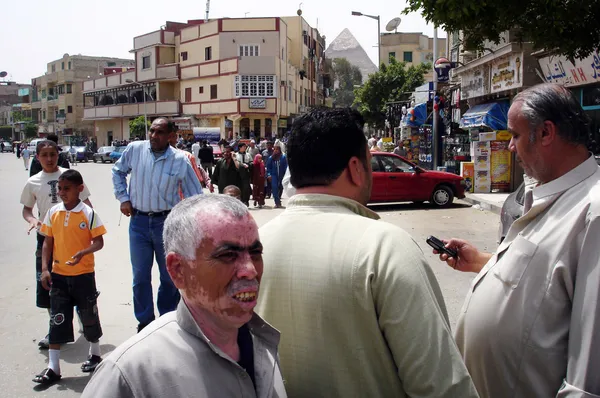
{"x":355,"y":170}
{"x":80,"y":188}
{"x":175,"y":267}
{"x":549,"y":133}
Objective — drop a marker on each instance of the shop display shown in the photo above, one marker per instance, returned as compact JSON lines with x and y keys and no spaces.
{"x":456,"y":150}
{"x":425,"y":147}
{"x":501,"y":161}
{"x":467,"y":171}
{"x":483,"y":179}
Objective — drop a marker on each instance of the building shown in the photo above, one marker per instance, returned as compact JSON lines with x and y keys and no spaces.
{"x":247,"y":76}
{"x":412,"y":48}
{"x":57,"y":98}
{"x":15,"y":100}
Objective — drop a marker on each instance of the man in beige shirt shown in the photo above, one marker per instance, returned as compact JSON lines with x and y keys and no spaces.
{"x":213,"y":345}
{"x":530,"y":325}
{"x":361,"y":313}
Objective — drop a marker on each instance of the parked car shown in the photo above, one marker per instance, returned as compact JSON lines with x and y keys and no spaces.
{"x":103,"y":154}
{"x":7,"y":146}
{"x":218,"y":154}
{"x":396,"y":179}
{"x":116,"y":154}
{"x":84,"y":154}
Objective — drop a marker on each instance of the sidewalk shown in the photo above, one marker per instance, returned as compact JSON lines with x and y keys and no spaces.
{"x":488,"y":201}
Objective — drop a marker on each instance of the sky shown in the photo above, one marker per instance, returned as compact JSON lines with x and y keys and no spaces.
{"x":35,"y":32}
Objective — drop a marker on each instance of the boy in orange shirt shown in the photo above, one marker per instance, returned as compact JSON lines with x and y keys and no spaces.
{"x":69,"y":227}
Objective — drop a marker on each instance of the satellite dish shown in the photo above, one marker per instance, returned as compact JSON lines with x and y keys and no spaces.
{"x":393,"y":24}
{"x":3,"y":74}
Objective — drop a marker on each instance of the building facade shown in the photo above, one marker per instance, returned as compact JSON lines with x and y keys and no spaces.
{"x":57,"y":98}
{"x":246,"y":76}
{"x":412,"y":48}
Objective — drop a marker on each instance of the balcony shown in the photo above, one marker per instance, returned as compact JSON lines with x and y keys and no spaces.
{"x":154,"y":108}
{"x":167,"y":72}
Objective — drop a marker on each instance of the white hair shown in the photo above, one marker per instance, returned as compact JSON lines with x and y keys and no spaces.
{"x":183,"y":233}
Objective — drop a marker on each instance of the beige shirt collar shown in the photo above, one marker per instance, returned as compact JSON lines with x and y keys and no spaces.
{"x":299,"y":201}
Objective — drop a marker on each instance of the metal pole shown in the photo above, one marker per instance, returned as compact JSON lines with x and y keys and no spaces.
{"x":435,"y":127}
{"x":379,"y":40}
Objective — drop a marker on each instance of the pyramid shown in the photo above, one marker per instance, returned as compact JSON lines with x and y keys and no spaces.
{"x":346,"y":46}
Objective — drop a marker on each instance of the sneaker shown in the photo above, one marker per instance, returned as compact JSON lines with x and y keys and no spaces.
{"x":43,"y":344}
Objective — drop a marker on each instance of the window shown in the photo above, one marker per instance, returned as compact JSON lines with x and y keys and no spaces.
{"x":44,"y":115}
{"x":375,"y":164}
{"x":408,"y":56}
{"x":146,"y":62}
{"x":391,"y":55}
{"x":257,"y":126}
{"x":395,"y":165}
{"x":249,"y":51}
{"x":184,"y":56}
{"x":201,"y":89}
{"x":188,"y":94}
{"x":282,"y":54}
{"x":69,"y":109}
{"x":290,"y":89}
{"x":62,"y":65}
{"x":69,"y":65}
{"x":53,"y":68}
{"x":61,"y":89}
{"x":255,"y":86}
{"x":208,"y":53}
{"x":69,"y":88}
{"x":43,"y":93}
{"x":213,"y":91}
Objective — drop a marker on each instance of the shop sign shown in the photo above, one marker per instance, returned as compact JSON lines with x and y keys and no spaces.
{"x":558,"y":69}
{"x":473,"y":83}
{"x":282,"y":123}
{"x":507,"y":73}
{"x":258,"y":103}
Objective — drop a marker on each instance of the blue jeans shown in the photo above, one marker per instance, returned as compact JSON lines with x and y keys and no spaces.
{"x":275,"y":190}
{"x":145,"y":241}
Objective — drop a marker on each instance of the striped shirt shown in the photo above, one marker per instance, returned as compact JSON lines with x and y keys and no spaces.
{"x":155,"y":181}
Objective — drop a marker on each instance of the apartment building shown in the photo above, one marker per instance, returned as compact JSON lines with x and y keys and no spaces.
{"x":248,"y":76}
{"x":57,"y":98}
{"x":412,"y":48}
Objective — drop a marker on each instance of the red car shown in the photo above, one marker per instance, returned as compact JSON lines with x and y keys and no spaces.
{"x":217,"y":153}
{"x":396,"y":179}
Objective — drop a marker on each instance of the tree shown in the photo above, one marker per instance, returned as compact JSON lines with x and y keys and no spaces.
{"x":346,"y":76}
{"x":137,"y":128}
{"x":394,"y":82}
{"x":568,"y":27}
{"x":29,"y":126}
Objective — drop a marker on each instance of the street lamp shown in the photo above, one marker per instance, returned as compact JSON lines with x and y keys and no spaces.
{"x":130,"y":81}
{"x":360,"y":14}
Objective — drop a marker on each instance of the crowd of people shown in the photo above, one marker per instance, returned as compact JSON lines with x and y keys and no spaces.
{"x":326,"y":299}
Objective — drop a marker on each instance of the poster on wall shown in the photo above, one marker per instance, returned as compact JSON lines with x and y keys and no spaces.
{"x":483,"y":180}
{"x":467,"y":171}
{"x":474,"y":83}
{"x":507,"y":73}
{"x":501,"y":159}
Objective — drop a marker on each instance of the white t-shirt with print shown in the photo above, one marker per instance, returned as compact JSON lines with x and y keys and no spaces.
{"x":42,"y":189}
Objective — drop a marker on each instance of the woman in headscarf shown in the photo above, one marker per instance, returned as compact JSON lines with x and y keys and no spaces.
{"x":258,"y":181}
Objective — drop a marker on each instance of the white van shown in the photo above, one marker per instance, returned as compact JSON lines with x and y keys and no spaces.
{"x":32,"y":146}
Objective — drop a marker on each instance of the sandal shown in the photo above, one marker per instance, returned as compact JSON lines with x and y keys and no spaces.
{"x":47,"y":377}
{"x":90,"y":365}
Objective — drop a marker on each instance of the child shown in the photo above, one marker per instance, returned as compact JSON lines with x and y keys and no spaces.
{"x":69,"y":228}
{"x":233,"y":191}
{"x":41,"y":190}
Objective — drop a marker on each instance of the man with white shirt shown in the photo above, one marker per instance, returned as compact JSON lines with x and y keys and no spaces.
{"x":195,"y":151}
{"x":530,"y":325}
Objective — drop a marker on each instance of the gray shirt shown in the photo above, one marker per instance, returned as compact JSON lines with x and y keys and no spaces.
{"x":530,"y":325}
{"x":173,"y":358}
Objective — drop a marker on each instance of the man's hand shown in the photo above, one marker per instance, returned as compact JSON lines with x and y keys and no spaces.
{"x":34,"y":223}
{"x":126,"y":208}
{"x":46,"y":280}
{"x":76,"y":258}
{"x":469,"y":258}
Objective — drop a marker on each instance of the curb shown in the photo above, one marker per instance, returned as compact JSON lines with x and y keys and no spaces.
{"x":484,"y":204}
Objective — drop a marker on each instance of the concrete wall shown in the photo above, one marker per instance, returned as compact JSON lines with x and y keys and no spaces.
{"x":196,"y":50}
{"x":249,"y":24}
{"x":230,"y":42}
{"x":149,"y":73}
{"x":166,"y":55}
{"x":224,"y":84}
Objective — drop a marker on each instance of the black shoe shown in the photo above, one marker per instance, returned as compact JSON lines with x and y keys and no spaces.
{"x":90,"y":365}
{"x":43,"y":344}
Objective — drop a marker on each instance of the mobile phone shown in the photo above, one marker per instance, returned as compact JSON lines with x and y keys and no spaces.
{"x":440,"y":247}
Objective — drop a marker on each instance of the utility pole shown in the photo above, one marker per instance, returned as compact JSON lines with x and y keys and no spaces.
{"x":435,"y":127}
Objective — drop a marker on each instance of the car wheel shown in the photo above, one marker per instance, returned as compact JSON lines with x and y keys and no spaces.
{"x":95,"y":160}
{"x":442,"y":196}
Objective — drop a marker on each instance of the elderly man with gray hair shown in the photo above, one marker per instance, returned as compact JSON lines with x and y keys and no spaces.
{"x":213,"y":345}
{"x":530,"y":325}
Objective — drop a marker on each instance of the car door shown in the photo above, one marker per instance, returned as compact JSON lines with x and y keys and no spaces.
{"x":402,"y":179}
{"x":379,"y":190}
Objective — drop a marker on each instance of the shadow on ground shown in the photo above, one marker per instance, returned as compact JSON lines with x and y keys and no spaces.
{"x":78,"y":351}
{"x":388,"y":207}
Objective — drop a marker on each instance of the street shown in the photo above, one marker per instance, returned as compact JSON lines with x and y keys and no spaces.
{"x":22,"y":324}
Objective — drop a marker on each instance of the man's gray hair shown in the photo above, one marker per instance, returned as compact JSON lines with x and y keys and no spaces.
{"x":555,"y":103}
{"x":183,"y":233}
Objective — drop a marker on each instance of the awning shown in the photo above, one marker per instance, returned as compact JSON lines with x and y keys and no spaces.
{"x":493,"y":115}
{"x":416,"y":116}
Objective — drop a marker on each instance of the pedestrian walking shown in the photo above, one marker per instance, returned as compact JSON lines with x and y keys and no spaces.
{"x":73,"y":153}
{"x":253,"y":150}
{"x":244,"y":160}
{"x":207,"y":158}
{"x":359,"y":310}
{"x":276,"y":166}
{"x":63,"y":158}
{"x":266,"y":154}
{"x":214,"y":345}
{"x":158,"y":172}
{"x":259,"y":175}
{"x":73,"y":232}
{"x":25,"y":154}
{"x":227,"y":171}
{"x":41,"y":190}
{"x":529,"y":326}
{"x":195,"y":151}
